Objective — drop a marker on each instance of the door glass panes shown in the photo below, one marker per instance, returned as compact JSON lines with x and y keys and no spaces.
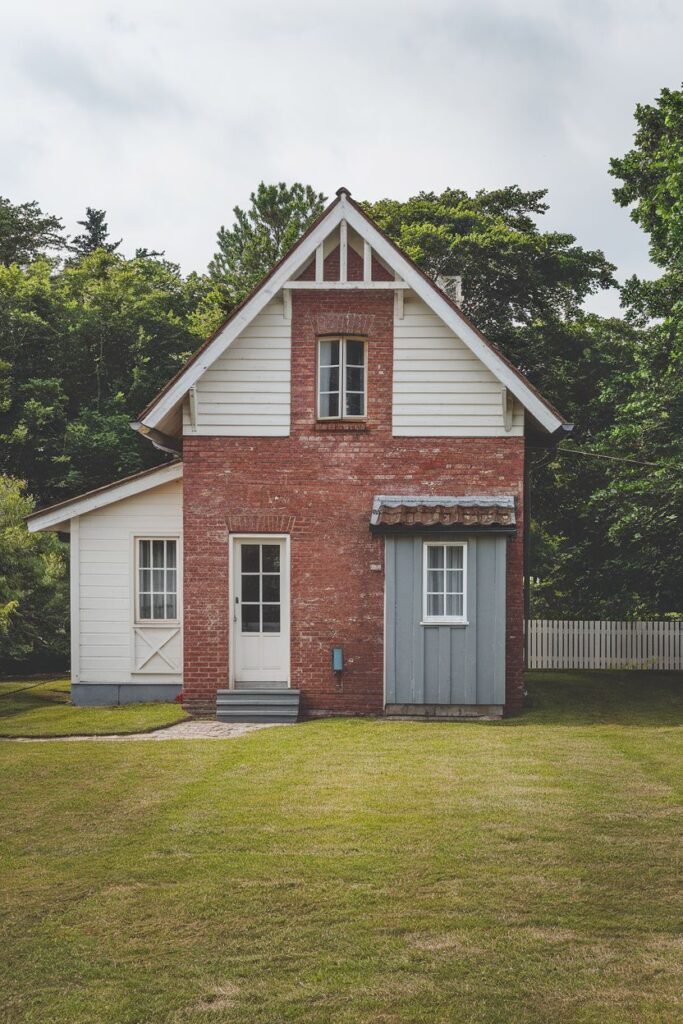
{"x":250,"y":557}
{"x":157,"y":579}
{"x":271,"y":557}
{"x":260,"y":588}
{"x":444,"y":581}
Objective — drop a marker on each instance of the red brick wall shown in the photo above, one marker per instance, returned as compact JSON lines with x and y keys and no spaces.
{"x":318,"y":485}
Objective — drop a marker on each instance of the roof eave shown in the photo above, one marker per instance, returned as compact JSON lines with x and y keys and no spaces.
{"x":57,"y":516}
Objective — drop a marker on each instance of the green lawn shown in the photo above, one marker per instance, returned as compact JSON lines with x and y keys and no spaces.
{"x":42,"y":709}
{"x":356,"y":871}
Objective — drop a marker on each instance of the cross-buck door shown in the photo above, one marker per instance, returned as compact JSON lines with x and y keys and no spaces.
{"x":260,"y":611}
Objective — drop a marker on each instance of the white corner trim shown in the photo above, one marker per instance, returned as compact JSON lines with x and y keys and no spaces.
{"x":294,"y":262}
{"x":409,"y":273}
{"x":70,"y":511}
{"x":75,"y":598}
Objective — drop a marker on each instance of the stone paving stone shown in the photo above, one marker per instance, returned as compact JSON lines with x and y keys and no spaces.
{"x":182,"y":731}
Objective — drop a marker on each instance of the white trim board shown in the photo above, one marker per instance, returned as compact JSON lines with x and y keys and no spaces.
{"x":52,"y":518}
{"x":75,"y":598}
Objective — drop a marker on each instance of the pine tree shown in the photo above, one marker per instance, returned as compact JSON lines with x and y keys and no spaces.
{"x":95,"y":235}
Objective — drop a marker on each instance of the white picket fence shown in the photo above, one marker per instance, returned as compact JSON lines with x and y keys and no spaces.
{"x":575,"y":644}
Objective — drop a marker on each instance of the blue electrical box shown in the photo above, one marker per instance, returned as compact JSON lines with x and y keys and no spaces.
{"x":337,"y":659}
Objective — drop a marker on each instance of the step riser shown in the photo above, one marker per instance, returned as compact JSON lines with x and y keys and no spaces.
{"x":258,"y":705}
{"x":257,"y":695}
{"x":252,"y":702}
{"x":258,"y":712}
{"x":255,"y":721}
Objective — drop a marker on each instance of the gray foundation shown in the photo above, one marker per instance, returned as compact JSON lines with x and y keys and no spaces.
{"x":101,"y":694}
{"x":444,"y":711}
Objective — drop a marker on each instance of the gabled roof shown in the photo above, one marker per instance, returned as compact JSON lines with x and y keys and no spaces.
{"x":56,"y":516}
{"x":344,"y":208}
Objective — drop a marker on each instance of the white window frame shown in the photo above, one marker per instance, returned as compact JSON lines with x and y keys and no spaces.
{"x":343,"y":415}
{"x":138,"y":619}
{"x":454,"y":620}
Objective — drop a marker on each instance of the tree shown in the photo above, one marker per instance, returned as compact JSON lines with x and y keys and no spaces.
{"x":81,"y":352}
{"x":644,"y":505}
{"x":26,"y":233}
{"x":617,"y":525}
{"x":34,"y":590}
{"x":652,"y":177}
{"x":260,"y":236}
{"x":522,"y":287}
{"x":95,"y":235}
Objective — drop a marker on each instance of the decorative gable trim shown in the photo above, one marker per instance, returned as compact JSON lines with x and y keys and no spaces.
{"x":343,"y":213}
{"x":242,"y":316}
{"x":542,"y":411}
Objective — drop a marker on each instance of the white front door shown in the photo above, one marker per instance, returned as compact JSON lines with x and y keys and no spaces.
{"x":260,"y":621}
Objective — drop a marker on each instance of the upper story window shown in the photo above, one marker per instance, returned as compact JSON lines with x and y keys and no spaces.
{"x":157,"y":591}
{"x":342,"y":379}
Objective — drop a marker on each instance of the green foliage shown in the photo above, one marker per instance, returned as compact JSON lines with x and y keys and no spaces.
{"x":642,"y":506}
{"x":652,"y":176}
{"x":26,"y":233}
{"x":33,"y":588}
{"x":95,"y":235}
{"x":81,"y":352}
{"x":260,"y":236}
{"x":522,"y":287}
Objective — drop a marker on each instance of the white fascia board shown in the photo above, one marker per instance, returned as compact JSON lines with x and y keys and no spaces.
{"x":402,"y":266}
{"x":52,"y":518}
{"x":299,"y":256}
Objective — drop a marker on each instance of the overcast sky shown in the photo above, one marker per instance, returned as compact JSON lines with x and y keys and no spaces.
{"x":167,"y":113}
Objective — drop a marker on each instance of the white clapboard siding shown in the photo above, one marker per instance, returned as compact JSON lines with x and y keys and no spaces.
{"x":440,"y":388}
{"x":246,"y":392}
{"x":111,"y":647}
{"x":624,"y":645}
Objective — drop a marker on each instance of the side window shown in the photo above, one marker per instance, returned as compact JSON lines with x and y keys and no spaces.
{"x":157,"y":579}
{"x":445,"y":582}
{"x":342,"y":378}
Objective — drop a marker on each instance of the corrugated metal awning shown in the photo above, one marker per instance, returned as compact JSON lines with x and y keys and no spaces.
{"x":493,"y":513}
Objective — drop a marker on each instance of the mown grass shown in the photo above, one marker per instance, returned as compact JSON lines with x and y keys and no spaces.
{"x":29,"y":708}
{"x":355,"y":870}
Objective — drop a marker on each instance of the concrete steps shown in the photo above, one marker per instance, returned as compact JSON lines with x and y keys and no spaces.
{"x":274,"y":704}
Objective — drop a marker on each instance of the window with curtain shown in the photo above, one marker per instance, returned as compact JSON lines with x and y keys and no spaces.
{"x":157,"y":579}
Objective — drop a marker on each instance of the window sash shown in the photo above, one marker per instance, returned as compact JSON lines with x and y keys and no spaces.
{"x":444,"y":585}
{"x":157,"y":579}
{"x":352,"y":383}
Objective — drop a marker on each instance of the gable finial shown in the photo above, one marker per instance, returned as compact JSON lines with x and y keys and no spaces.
{"x":343,"y":191}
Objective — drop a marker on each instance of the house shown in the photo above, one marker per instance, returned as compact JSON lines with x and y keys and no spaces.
{"x":342,"y":528}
